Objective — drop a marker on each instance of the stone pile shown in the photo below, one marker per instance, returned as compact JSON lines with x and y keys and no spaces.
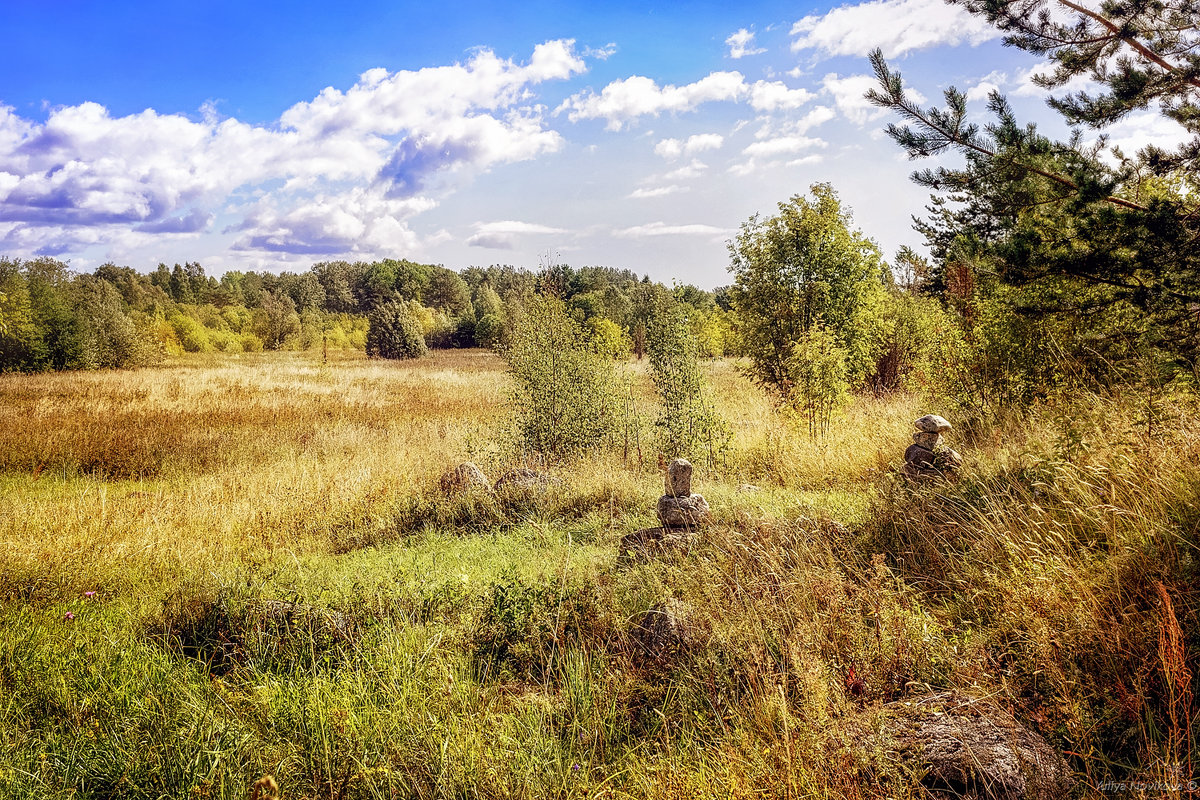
{"x":678,"y":507}
{"x":467,"y":479}
{"x":928,"y":457}
{"x":681,"y":514}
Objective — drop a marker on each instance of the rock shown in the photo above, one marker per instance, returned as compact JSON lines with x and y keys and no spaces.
{"x":679,"y":478}
{"x":917,"y":474}
{"x":683,"y":512}
{"x":930,"y":441}
{"x":665,"y":633}
{"x":748,"y":488}
{"x":524,"y":481}
{"x":932,"y":423}
{"x":464,"y":478}
{"x":649,"y":543}
{"x":919,"y":456}
{"x":947,"y":460}
{"x":970,"y":748}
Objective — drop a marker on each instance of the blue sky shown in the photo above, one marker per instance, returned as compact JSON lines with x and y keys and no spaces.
{"x":633,"y":135}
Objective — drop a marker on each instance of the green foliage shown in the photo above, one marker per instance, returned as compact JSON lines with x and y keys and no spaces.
{"x":394,"y":332}
{"x":801,"y":268}
{"x":1072,"y":230}
{"x":688,"y":422}
{"x":818,"y":386}
{"x":565,"y":395}
{"x":608,"y":338}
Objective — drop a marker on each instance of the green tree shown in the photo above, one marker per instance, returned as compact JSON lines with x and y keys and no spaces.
{"x":1074,"y":229}
{"x":394,"y":332}
{"x":565,"y":391}
{"x":803,"y":267}
{"x":278,"y":319}
{"x":688,"y":422}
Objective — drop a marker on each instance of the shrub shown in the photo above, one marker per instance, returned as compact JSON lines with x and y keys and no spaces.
{"x":565,"y":396}
{"x":688,"y":421}
{"x":393,"y":332}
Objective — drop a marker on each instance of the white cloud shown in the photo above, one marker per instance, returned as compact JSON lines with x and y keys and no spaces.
{"x":986,"y":85}
{"x":657,"y":191}
{"x":693,"y":170}
{"x":674,"y":148}
{"x":773,"y":152}
{"x":775,"y":96}
{"x":741,"y":44}
{"x":625,"y":100}
{"x":337,"y":174}
{"x":849,"y":96}
{"x":504,"y":234}
{"x":895,"y":26}
{"x":663,"y":229}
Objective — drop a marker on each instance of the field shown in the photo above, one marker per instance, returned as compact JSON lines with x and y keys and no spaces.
{"x":233,"y":566}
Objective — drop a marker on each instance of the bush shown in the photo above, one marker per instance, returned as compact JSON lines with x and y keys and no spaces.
{"x":393,"y":332}
{"x":565,"y":396}
{"x":688,"y":422}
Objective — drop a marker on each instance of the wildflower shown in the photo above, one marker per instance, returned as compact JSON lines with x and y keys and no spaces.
{"x":68,"y":616}
{"x":89,"y":595}
{"x":574,"y":768}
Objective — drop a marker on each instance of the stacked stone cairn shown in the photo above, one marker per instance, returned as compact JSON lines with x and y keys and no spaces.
{"x":679,"y":508}
{"x":928,"y":458}
{"x":681,"y":514}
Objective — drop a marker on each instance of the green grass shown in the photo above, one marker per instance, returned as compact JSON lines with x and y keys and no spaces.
{"x":433,"y":647}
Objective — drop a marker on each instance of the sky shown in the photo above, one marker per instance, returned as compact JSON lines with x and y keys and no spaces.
{"x":271,"y":136}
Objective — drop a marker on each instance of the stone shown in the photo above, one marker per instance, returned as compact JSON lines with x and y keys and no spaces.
{"x":683,"y":512}
{"x":679,"y":478}
{"x":947,"y":459}
{"x":524,"y":481}
{"x":932,"y":423}
{"x":748,"y":488}
{"x":969,"y":748}
{"x":665,"y":633}
{"x":917,"y":474}
{"x":918,"y":456}
{"x":464,"y":478}
{"x":930,"y":441}
{"x":650,"y":543}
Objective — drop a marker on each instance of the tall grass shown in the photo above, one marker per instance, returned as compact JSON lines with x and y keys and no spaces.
{"x":239,"y":566}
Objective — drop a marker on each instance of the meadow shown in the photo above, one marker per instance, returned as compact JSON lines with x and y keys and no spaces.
{"x":230,"y":566}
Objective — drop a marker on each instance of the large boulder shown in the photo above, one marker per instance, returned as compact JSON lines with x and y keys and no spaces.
{"x":963,"y":747}
{"x":464,"y":478}
{"x":683,"y":512}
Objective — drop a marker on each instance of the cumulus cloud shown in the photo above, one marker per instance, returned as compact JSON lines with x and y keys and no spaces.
{"x":849,"y":95}
{"x":741,"y":44}
{"x":776,"y":151}
{"x":694,"y":169}
{"x":895,"y":26}
{"x":776,"y":96}
{"x":625,"y":100}
{"x":986,"y":85}
{"x":674,"y":148}
{"x":336,"y":174}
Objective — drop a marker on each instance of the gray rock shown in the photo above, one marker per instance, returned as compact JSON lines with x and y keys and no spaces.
{"x":650,"y":543}
{"x":916,"y":474}
{"x":464,"y":478}
{"x":679,"y":478}
{"x":919,"y":456}
{"x":665,"y":633}
{"x":932,"y":423}
{"x":524,"y":481}
{"x":969,"y":748}
{"x":947,"y":460}
{"x":930,"y":441}
{"x":683,"y":512}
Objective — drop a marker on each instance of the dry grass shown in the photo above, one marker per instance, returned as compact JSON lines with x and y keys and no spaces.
{"x":491,"y":653}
